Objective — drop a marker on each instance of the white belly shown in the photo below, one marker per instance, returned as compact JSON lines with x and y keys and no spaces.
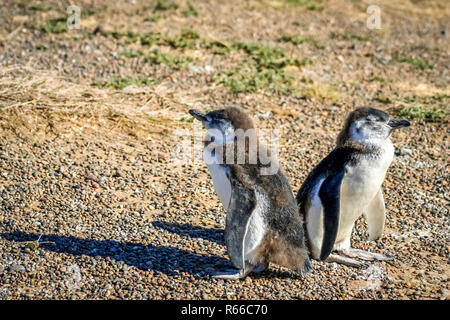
{"x":256,"y":227}
{"x":360,"y":185}
{"x":221,"y":183}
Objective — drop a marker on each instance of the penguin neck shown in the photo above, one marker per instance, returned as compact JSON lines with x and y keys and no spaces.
{"x":378,"y":147}
{"x":218,"y":153}
{"x":237,"y":152}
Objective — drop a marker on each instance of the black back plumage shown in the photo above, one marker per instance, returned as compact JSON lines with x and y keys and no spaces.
{"x":288,"y":246}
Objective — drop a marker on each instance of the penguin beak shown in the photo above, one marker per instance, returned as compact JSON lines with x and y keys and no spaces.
{"x":198,"y":115}
{"x":397,"y":123}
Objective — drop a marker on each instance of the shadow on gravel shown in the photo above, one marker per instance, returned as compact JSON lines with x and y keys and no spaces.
{"x":165,"y":259}
{"x":214,"y":235}
{"x":217,"y":235}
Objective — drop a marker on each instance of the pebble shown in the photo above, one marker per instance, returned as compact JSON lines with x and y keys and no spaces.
{"x":14,"y":267}
{"x":406,"y":151}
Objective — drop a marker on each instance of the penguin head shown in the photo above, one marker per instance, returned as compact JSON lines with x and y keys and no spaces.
{"x":369,"y":126}
{"x":222,"y":124}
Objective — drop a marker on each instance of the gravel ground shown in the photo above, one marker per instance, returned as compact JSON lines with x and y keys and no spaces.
{"x":93,"y":206}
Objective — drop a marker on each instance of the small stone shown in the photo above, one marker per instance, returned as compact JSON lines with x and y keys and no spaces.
{"x":4,"y":293}
{"x":14,"y":267}
{"x":406,"y":152}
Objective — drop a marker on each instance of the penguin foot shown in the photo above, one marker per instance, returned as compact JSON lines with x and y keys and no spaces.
{"x":346,"y":261}
{"x":260,"y":267}
{"x":366,"y":255}
{"x":230,"y":274}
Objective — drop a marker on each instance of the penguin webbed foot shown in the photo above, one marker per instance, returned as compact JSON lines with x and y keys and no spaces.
{"x":237,"y":274}
{"x":260,"y":267}
{"x":304,"y":270}
{"x":346,"y":261}
{"x":366,"y":255}
{"x":232,"y":274}
{"x":229,"y":274}
{"x":348,"y":257}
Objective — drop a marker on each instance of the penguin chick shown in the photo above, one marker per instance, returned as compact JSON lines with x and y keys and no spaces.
{"x":262,"y":222}
{"x":346,"y":184}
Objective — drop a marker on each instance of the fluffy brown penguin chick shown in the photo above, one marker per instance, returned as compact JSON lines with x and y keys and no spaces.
{"x":262,"y":223}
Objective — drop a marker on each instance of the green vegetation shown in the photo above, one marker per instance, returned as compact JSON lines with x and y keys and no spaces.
{"x":219,"y":47}
{"x":269,"y":57}
{"x":38,"y":6}
{"x":132,"y":53}
{"x":145,"y":39}
{"x":265,"y":72}
{"x":250,"y":81}
{"x":59,"y":25}
{"x":384,"y":100}
{"x":158,"y":57}
{"x":164,"y":5}
{"x":56,"y":26}
{"x":422,"y":113}
{"x":153,"y":18}
{"x":41,"y":47}
{"x":427,"y":108}
{"x":169,"y":60}
{"x":355,"y":37}
{"x":188,"y":39}
{"x":121,"y":83}
{"x":132,"y":36}
{"x":190,"y":11}
{"x":299,"y":39}
{"x":306,"y":80}
{"x":87,"y":12}
{"x":379,"y":79}
{"x":435,"y":99}
{"x":31,"y":247}
{"x":415,"y":62}
{"x":266,"y":68}
{"x":440,"y":97}
{"x":349,"y":37}
{"x":312,"y":5}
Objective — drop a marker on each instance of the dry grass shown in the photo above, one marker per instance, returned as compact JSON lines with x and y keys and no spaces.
{"x":38,"y":102}
{"x":322,"y":92}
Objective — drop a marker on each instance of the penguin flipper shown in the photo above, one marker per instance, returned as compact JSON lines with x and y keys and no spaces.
{"x":242,"y":204}
{"x":329,"y":194}
{"x":376,"y":215}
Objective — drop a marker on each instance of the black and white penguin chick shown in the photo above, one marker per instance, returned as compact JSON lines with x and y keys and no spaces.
{"x":346,"y":184}
{"x":262,"y":222}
